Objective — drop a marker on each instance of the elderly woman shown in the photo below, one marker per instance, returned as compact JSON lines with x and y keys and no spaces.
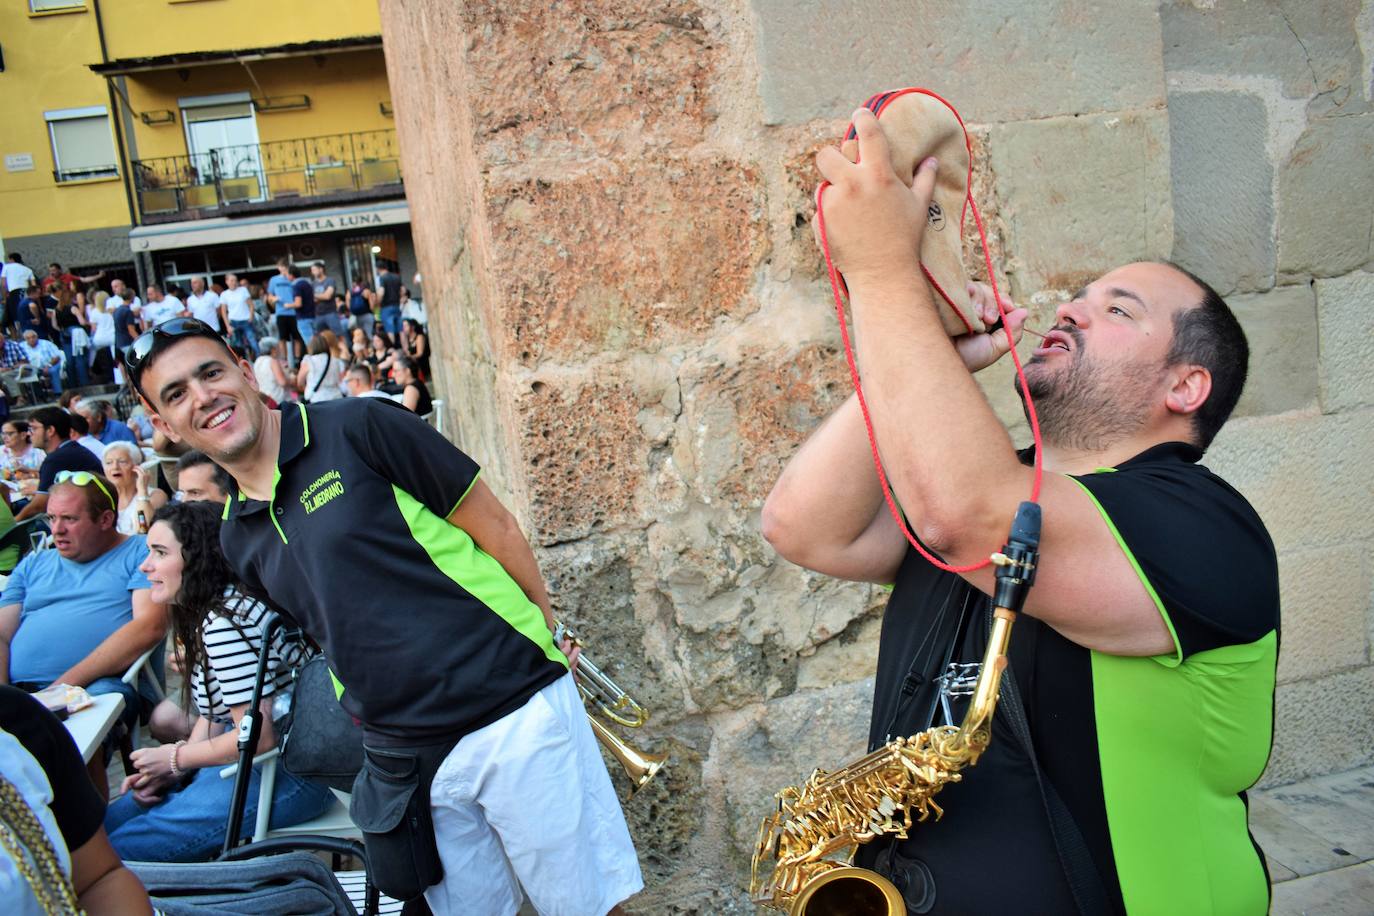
{"x":137,"y":501}
{"x":269,"y":371}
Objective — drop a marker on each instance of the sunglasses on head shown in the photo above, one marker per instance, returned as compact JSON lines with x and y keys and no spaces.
{"x":83,"y":479}
{"x":137,"y":353}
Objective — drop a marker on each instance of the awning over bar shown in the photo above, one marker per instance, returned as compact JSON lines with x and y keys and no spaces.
{"x":217,"y":231}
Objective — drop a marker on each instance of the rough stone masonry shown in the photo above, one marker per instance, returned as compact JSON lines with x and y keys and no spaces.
{"x":611,"y":203}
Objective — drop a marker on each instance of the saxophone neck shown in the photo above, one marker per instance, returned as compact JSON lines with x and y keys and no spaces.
{"x":1015,"y":574}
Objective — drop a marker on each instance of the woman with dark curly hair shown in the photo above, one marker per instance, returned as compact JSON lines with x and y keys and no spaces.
{"x":175,"y":807}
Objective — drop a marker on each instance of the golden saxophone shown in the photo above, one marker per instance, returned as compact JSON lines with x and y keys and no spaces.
{"x":803,"y":859}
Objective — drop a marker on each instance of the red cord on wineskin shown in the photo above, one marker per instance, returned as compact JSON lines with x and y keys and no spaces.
{"x":836,"y":284}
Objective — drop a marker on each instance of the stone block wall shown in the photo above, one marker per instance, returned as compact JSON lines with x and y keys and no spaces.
{"x":611,"y":207}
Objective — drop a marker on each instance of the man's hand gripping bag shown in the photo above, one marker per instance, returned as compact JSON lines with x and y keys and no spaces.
{"x":919,"y":124}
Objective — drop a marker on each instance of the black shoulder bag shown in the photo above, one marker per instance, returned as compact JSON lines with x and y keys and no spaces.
{"x":322,"y":741}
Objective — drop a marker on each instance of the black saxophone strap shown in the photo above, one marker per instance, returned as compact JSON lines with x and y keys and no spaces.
{"x":1079,"y":870}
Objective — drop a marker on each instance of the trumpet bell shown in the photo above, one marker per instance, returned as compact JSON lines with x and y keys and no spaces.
{"x":640,"y":767}
{"x":849,"y":891}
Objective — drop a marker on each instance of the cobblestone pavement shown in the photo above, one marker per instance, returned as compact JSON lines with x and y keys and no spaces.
{"x":1319,"y":839}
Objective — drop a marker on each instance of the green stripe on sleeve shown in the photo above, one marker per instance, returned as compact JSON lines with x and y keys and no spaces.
{"x":1168,"y":661}
{"x":457,"y":556}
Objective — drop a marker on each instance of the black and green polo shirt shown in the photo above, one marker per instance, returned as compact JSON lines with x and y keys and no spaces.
{"x":1151,"y":756}
{"x":427,"y":634}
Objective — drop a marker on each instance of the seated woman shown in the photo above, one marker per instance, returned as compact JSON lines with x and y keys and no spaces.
{"x":320,"y":377}
{"x":414,"y":394}
{"x":416,"y":345}
{"x":18,"y":458}
{"x":175,"y":807}
{"x":137,"y":500}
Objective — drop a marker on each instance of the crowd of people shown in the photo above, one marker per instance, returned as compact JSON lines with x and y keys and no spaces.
{"x":67,"y":331}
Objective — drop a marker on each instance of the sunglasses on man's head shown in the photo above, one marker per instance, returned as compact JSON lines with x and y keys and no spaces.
{"x":137,"y":353}
{"x":85,"y":479}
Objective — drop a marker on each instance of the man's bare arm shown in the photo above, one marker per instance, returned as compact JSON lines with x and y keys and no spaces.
{"x":495,"y":530}
{"x":9,"y":625}
{"x":826,"y":511}
{"x":36,"y":506}
{"x":122,"y":647}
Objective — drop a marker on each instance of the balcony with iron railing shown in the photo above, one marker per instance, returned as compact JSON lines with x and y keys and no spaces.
{"x":266,"y":177}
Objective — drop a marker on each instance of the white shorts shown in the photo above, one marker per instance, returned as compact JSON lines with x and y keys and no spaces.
{"x":527,"y":801}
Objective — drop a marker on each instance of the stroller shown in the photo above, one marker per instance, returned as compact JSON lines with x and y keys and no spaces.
{"x":270,"y":876}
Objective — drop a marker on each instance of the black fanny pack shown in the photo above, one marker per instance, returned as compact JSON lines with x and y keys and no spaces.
{"x":391,"y":806}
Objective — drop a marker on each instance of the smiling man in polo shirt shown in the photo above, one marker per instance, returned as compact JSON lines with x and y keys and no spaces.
{"x":443,"y":641}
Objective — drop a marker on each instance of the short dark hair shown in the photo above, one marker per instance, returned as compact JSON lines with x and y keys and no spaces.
{"x":195,"y":458}
{"x":1209,"y":335}
{"x":55,"y":264}
{"x":54,"y":417}
{"x":362,"y":371}
{"x":154,"y":286}
{"x":163,"y":342}
{"x":79,"y":423}
{"x":14,"y":256}
{"x":293,"y":270}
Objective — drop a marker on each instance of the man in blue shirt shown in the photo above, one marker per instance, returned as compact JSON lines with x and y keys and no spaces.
{"x":80,"y":613}
{"x":303,"y":295}
{"x":103,"y":426}
{"x":282,"y":298}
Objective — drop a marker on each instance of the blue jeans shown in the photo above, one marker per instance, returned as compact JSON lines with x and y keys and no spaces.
{"x":76,"y":362}
{"x":306,"y":327}
{"x":188,"y":824}
{"x":55,"y":377}
{"x":244,"y":338}
{"x":391,"y":319}
{"x":366,"y":321}
{"x":329,"y":321}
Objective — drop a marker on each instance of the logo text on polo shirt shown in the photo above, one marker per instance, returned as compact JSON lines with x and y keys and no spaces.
{"x":326,"y":487}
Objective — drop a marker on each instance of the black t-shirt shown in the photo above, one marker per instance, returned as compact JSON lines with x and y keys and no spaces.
{"x":69,"y":456}
{"x":304,"y":290}
{"x":123,"y":319}
{"x":391,"y":289}
{"x":66,"y":318}
{"x":425,"y":404}
{"x":1151,"y":756}
{"x":428,"y":634}
{"x":76,"y":806}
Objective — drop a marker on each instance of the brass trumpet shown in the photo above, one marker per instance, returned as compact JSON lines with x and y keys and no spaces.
{"x":611,"y":701}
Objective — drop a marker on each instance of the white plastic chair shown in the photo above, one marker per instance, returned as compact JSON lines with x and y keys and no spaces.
{"x":437,"y":412}
{"x":136,"y":672}
{"x":334,"y":822}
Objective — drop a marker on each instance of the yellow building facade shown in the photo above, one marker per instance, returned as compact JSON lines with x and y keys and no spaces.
{"x":164,"y":139}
